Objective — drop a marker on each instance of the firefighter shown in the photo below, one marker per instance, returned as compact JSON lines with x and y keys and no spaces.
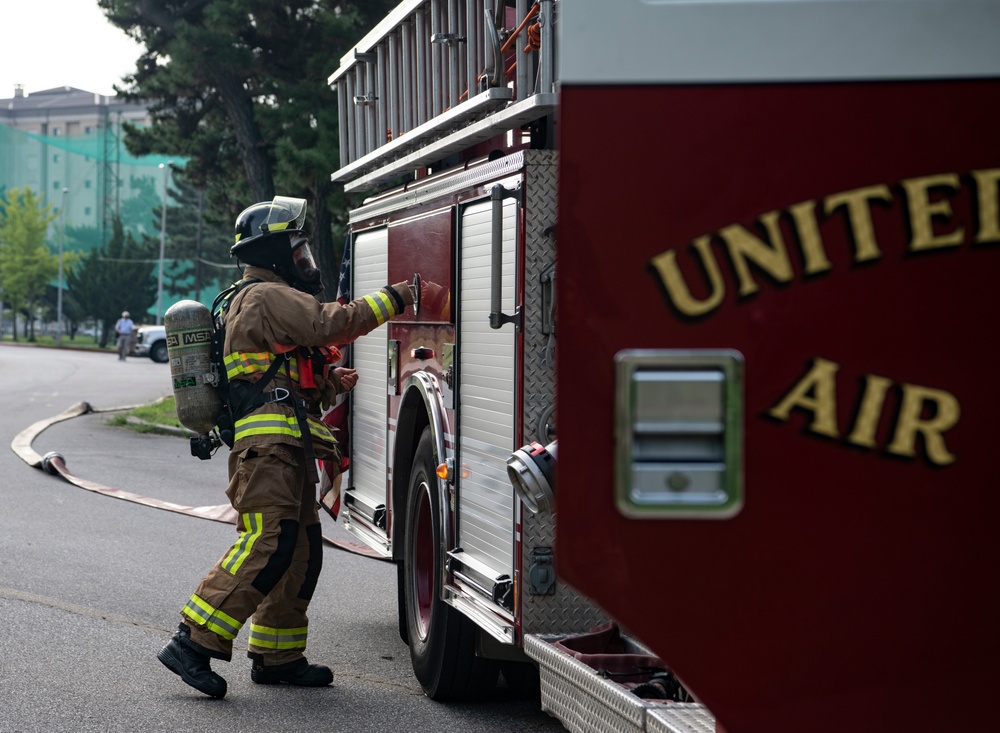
{"x":277,"y":332}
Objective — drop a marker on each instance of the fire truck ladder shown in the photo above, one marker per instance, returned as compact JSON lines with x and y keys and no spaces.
{"x":438,"y":76}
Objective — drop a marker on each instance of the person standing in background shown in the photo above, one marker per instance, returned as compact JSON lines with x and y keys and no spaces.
{"x":123,"y":334}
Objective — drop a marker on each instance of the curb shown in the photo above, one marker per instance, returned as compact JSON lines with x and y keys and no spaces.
{"x":26,"y":345}
{"x":162,"y":429}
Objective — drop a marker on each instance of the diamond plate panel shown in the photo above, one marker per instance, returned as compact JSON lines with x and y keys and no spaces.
{"x":564,"y":612}
{"x":585,"y":702}
{"x":680,"y":717}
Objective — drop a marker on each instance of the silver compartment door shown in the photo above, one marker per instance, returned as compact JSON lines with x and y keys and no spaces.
{"x":369,"y":399}
{"x":486,"y":393}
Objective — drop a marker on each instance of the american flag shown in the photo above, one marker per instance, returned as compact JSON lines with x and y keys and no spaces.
{"x":336,"y":416}
{"x":344,"y":284}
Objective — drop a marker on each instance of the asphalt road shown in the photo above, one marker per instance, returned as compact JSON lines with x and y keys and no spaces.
{"x":91,"y":586}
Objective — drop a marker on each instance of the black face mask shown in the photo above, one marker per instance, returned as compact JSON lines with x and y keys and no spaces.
{"x":307,"y":276}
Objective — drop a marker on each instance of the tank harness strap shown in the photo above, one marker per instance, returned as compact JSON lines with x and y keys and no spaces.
{"x":255,"y":397}
{"x":307,"y":444}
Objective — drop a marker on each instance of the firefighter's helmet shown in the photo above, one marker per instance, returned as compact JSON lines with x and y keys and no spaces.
{"x":270,"y":235}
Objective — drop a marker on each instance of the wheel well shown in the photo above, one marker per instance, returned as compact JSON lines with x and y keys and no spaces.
{"x":410,"y":426}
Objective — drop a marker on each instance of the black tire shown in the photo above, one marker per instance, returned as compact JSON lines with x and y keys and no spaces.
{"x":442,"y":640}
{"x":404,"y":632}
{"x":158,"y":352}
{"x":522,"y":679}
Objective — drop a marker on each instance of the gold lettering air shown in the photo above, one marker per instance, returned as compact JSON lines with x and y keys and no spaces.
{"x":944,"y":413}
{"x":923,"y":413}
{"x":928,"y":223}
{"x":816,"y":394}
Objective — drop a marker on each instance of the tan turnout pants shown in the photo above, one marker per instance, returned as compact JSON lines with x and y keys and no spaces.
{"x":270,"y":572}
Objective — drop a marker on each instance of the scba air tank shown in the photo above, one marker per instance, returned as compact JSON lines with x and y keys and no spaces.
{"x":189,"y":346}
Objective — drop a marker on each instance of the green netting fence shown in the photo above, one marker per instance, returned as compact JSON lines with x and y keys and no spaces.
{"x":89,"y":179}
{"x":91,"y":174}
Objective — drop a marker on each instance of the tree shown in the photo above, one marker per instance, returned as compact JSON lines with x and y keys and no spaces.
{"x":240,"y":86}
{"x":28,"y":264}
{"x":114,"y":277}
{"x":82,"y":238}
{"x":135,"y":210}
{"x":72,"y":312}
{"x":196,"y":245}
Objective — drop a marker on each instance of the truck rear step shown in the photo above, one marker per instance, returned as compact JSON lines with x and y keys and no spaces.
{"x":586,"y":702}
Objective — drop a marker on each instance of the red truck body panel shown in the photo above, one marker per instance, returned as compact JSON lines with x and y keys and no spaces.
{"x":856,"y":589}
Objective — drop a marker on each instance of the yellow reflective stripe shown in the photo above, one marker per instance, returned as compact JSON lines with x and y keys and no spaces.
{"x":247,"y":362}
{"x":255,"y":362}
{"x":203,"y":614}
{"x":320,"y":430}
{"x":268,"y":424}
{"x":276,"y":227}
{"x":254,"y":524}
{"x":381,"y":305}
{"x":266,"y":637}
{"x":277,"y":424}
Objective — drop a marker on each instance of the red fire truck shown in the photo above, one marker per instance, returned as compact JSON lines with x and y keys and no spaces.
{"x":745,"y":255}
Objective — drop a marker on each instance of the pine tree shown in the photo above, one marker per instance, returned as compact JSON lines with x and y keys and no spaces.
{"x":238,"y":87}
{"x":197,"y":246}
{"x":114,"y":277}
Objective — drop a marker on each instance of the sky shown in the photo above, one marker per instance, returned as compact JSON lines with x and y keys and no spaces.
{"x":55,"y":43}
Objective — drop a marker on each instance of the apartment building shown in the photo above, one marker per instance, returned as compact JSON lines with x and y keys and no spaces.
{"x":67,"y":145}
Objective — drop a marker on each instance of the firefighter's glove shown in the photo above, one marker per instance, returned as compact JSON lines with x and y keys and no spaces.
{"x":328,"y":395}
{"x":401,"y":296}
{"x":435,"y":300}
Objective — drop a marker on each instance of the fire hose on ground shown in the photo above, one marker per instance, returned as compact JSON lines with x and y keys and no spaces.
{"x":54,"y":463}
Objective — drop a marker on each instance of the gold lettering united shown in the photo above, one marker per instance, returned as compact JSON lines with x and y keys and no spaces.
{"x":929,"y":219}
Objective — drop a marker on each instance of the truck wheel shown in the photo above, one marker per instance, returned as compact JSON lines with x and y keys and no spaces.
{"x":442,"y":640}
{"x":522,"y":678}
{"x":158,"y":352}
{"x":404,"y":632}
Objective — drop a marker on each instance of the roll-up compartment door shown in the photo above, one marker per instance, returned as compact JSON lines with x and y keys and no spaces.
{"x":486,"y":391}
{"x":368,"y":410}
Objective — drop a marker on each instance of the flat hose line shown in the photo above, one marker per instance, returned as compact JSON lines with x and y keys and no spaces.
{"x":54,"y":464}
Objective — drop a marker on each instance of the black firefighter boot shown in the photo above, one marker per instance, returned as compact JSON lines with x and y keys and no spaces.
{"x":183,"y":657}
{"x":299,"y":672}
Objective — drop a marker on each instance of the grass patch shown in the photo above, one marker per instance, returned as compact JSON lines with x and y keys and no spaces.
{"x":161,"y":412}
{"x":81,"y":341}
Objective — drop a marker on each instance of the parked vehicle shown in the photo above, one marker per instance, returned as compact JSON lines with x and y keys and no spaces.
{"x":746,"y":252}
{"x":151,"y":341}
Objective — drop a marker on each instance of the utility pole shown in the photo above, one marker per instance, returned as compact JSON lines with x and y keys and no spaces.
{"x":62,"y":234}
{"x":163,"y":239}
{"x":197,"y":262}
